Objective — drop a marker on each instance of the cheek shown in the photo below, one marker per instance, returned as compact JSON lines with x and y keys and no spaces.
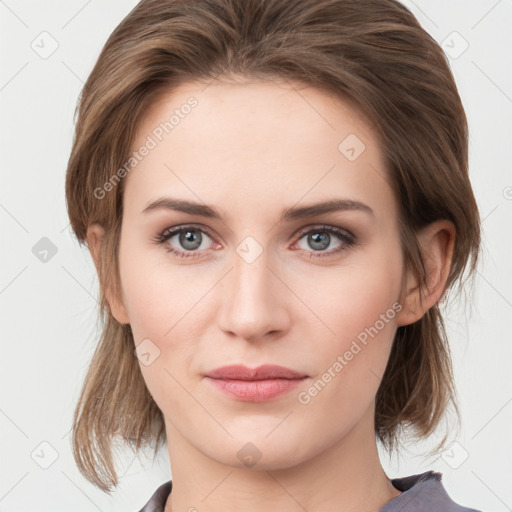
{"x":160,"y":303}
{"x":156,"y":293}
{"x":353,"y":297}
{"x":358,"y":303}
{"x":160,"y":295}
{"x":164,"y":303}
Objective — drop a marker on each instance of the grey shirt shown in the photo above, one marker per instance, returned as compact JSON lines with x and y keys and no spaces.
{"x":420,"y":493}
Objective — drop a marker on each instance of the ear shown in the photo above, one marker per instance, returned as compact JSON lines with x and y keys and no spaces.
{"x":436,"y":243}
{"x":95,"y":235}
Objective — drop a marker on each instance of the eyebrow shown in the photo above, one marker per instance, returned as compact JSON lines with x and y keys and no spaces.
{"x":293,"y":213}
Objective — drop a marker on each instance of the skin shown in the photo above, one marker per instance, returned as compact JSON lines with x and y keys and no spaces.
{"x":251,"y":150}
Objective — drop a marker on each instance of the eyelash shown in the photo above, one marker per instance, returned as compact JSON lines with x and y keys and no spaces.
{"x":347,"y":238}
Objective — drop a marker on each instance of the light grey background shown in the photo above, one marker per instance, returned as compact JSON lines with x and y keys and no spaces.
{"x":48,"y":323}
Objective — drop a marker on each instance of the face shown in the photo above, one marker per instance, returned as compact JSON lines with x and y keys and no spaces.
{"x":227,"y":257}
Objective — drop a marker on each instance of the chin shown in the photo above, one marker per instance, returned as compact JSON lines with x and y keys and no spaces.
{"x":255,"y":451}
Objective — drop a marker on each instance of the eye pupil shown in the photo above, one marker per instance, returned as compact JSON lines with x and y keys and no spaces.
{"x":320,"y":240}
{"x":190,"y":239}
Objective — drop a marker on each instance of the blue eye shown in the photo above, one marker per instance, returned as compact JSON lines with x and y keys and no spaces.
{"x":319,"y":239}
{"x":188,"y":237}
{"x":194,"y":240}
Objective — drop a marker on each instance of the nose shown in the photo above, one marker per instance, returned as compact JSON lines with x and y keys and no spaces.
{"x":254,"y":301}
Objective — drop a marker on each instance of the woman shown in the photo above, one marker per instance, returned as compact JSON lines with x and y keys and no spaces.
{"x":276,"y":198}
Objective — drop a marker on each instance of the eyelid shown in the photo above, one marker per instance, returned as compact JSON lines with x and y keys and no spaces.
{"x":182,"y":227}
{"x":326,"y":227}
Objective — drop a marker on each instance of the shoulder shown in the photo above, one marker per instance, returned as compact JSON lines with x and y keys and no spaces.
{"x":423,"y":492}
{"x":157,"y":502}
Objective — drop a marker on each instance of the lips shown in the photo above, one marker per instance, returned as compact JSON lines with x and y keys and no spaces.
{"x":259,"y":384}
{"x":264,"y":372}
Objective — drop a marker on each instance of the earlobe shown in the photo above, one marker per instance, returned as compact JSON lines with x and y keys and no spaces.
{"x":95,"y":236}
{"x":436,"y":243}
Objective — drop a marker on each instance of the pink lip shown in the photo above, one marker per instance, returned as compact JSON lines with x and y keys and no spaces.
{"x":255,"y":384}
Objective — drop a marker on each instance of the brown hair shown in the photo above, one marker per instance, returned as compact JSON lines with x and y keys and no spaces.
{"x":371,"y":52}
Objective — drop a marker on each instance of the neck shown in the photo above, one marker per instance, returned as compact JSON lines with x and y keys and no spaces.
{"x":346,"y":476}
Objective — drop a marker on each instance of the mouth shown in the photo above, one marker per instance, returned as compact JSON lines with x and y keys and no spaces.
{"x":259,"y":384}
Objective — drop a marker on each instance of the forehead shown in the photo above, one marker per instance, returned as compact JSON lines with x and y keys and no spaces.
{"x":255,"y":144}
